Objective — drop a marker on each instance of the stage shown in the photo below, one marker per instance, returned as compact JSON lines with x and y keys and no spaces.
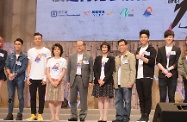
{"x":93,"y":115}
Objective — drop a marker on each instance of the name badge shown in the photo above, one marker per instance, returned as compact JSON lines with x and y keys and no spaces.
{"x":147,"y":53}
{"x":85,"y":62}
{"x":106,"y":60}
{"x":125,"y":62}
{"x":18,"y":63}
{"x":1,"y":55}
{"x":173,"y":53}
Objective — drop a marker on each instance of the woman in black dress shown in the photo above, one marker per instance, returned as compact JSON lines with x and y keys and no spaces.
{"x":3,"y":56}
{"x":103,"y":83}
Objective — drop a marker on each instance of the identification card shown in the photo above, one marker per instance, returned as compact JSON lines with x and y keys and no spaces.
{"x":173,"y":53}
{"x":18,"y":63}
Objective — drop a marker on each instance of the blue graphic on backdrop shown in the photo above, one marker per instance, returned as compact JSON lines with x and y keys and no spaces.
{"x":98,"y":12}
{"x":148,"y":11}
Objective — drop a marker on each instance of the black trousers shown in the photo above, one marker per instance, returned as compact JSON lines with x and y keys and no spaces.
{"x":167,"y":86}
{"x":185,"y":89}
{"x":37,"y":85}
{"x":144,"y":89}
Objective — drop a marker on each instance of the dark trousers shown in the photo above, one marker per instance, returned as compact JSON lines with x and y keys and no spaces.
{"x":78,"y":87}
{"x":167,"y":84}
{"x":37,"y":85}
{"x":144,"y":89}
{"x":12,"y":85}
{"x":185,"y":89}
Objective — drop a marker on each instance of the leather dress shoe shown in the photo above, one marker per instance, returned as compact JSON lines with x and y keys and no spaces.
{"x":82,"y":119}
{"x":72,"y":119}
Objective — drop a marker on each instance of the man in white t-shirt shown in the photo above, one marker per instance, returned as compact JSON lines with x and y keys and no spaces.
{"x":145,"y":63}
{"x":36,"y":77}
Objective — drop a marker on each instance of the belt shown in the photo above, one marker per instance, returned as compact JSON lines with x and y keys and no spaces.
{"x":78,"y":75}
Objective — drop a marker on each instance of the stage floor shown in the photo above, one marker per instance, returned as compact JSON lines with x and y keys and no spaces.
{"x":93,"y":115}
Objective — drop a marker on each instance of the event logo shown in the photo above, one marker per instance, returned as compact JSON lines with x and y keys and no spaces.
{"x":148,"y":11}
{"x":56,"y":13}
{"x":173,"y":1}
{"x":127,"y":12}
{"x":182,"y":8}
{"x":98,"y":13}
{"x":86,"y":13}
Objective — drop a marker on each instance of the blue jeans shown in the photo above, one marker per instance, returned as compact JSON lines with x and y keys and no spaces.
{"x":167,"y":84}
{"x":11,"y":93}
{"x":123,"y":95}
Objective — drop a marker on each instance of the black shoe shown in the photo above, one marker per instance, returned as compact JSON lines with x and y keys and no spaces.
{"x":100,"y":121}
{"x":9,"y":117}
{"x":19,"y":116}
{"x":72,"y":119}
{"x":146,"y":117}
{"x":117,"y":120}
{"x":82,"y":119}
{"x":142,"y":117}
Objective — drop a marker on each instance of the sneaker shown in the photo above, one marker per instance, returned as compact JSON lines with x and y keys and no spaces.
{"x":9,"y":117}
{"x":19,"y":116}
{"x":40,"y":118}
{"x":33,"y":117}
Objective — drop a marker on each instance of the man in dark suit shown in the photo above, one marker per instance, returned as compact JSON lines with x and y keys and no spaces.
{"x":167,"y":60}
{"x":79,"y":77}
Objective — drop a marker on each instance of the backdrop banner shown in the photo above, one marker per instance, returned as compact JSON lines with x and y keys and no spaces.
{"x":110,"y":20}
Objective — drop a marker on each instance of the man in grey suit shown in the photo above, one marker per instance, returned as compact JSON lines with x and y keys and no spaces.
{"x":79,"y":77}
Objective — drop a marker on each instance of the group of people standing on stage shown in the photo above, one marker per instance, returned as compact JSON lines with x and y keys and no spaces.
{"x":44,"y":71}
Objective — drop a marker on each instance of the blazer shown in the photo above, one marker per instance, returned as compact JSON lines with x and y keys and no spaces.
{"x":86,"y":69}
{"x":108,"y":69}
{"x":128,"y":70}
{"x":173,"y":60}
{"x":182,"y":66}
{"x":148,"y":68}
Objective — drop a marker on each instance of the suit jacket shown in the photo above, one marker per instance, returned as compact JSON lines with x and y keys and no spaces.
{"x":173,"y":60}
{"x":86,"y":69}
{"x":148,"y":68}
{"x":108,"y":69}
